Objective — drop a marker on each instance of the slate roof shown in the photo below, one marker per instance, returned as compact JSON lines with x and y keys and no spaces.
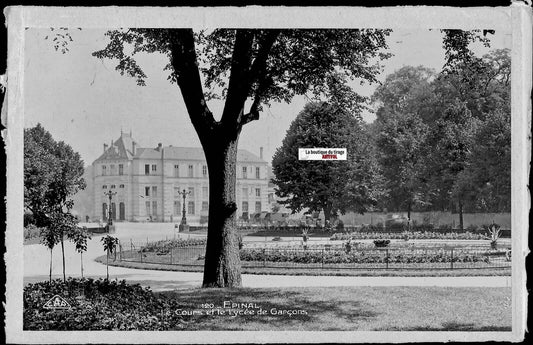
{"x":197,"y":153}
{"x":121,"y":149}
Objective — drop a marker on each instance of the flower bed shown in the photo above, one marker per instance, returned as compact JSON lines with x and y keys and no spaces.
{"x":97,"y":305}
{"x":367,"y":256}
{"x":165,"y":246}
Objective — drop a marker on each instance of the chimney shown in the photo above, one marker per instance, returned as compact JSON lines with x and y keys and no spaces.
{"x":105,"y":148}
{"x":261,"y":152}
{"x":159,"y":147}
{"x":133,"y":145}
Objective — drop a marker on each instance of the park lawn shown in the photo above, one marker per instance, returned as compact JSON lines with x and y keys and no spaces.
{"x":351,"y":309}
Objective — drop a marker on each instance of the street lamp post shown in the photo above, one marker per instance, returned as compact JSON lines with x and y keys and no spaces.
{"x":183,"y":224}
{"x":110,"y":218}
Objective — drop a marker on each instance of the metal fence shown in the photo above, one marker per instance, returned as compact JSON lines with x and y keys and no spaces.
{"x":331,"y":258}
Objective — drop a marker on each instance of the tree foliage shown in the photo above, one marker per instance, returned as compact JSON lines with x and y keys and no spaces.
{"x":52,"y":174}
{"x":275,"y":65}
{"x":404,"y":101}
{"x":447,"y":135}
{"x":332,"y":186}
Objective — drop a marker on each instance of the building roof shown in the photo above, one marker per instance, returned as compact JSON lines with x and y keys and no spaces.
{"x":197,"y":153}
{"x":122,"y":149}
{"x":119,"y":149}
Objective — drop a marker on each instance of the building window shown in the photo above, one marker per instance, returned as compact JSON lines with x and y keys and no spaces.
{"x":112,"y":186}
{"x":146,"y":191}
{"x":121,"y":169}
{"x":112,"y":168}
{"x":205,"y":206}
{"x":191,"y":171}
{"x":205,"y":192}
{"x":147,"y":169}
{"x":104,"y":170}
{"x":104,"y":187}
{"x":257,"y":172}
{"x":121,"y":186}
{"x":245,"y":193}
{"x":258,"y":192}
{"x":148,"y":210}
{"x":154,"y":208}
{"x":244,"y":172}
{"x":190,"y":208}
{"x":257,"y":206}
{"x":245,"y":206}
{"x":154,"y":191}
{"x":177,"y":208}
{"x":176,"y":170}
{"x":191,"y":192}
{"x":104,"y":211}
{"x":204,"y":170}
{"x":154,"y":168}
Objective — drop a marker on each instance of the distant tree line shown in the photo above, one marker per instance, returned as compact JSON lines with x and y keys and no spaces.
{"x":444,"y":140}
{"x":441,"y":141}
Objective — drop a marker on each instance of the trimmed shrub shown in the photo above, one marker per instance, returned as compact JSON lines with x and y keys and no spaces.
{"x":412,"y":235}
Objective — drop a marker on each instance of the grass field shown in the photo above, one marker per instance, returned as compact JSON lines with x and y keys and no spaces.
{"x":347,"y":309}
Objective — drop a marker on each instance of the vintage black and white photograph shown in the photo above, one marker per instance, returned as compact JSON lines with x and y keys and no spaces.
{"x":234,"y":178}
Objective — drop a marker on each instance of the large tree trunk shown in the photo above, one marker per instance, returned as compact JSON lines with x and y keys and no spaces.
{"x":222,"y":262}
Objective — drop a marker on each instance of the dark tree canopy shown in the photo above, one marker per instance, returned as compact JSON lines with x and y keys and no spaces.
{"x":52,"y":174}
{"x":331,"y":186}
{"x":274,"y":65}
{"x":444,"y":139}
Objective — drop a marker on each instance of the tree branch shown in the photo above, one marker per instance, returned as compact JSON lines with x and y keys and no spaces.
{"x":258,"y":75}
{"x":239,"y":81}
{"x":185,"y":64}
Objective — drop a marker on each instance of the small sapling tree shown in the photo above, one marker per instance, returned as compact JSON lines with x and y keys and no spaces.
{"x":49,"y":238}
{"x":110,"y":244}
{"x":79,"y":237}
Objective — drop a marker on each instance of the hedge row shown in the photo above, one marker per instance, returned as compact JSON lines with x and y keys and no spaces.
{"x":412,"y":235}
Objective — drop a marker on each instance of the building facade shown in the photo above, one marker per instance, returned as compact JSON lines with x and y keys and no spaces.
{"x":145,"y":183}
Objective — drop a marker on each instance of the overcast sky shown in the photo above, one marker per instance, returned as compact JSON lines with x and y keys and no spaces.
{"x":83,"y":101}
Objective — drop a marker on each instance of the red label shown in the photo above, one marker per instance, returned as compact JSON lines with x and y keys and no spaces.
{"x":329,"y":156}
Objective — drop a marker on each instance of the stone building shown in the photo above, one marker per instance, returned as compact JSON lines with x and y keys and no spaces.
{"x":147,"y":182}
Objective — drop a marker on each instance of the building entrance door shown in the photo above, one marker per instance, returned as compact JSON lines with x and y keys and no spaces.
{"x":122,"y":211}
